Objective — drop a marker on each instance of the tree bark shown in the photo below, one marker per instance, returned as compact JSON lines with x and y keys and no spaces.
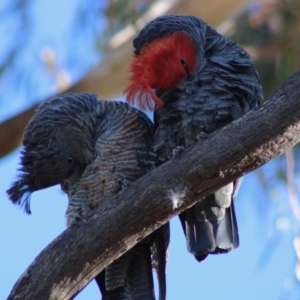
{"x":109,"y":78}
{"x":81,"y":252}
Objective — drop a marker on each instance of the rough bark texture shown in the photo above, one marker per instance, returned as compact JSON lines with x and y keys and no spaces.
{"x":109,"y":78}
{"x":79,"y":253}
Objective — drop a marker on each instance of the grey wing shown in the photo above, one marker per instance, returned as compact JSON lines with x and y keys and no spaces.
{"x":123,"y":153}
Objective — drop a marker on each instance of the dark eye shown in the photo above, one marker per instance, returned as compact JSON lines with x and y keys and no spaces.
{"x":70,"y":160}
{"x":182,"y":61}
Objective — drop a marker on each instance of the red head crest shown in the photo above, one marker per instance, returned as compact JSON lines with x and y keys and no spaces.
{"x":161,"y":64}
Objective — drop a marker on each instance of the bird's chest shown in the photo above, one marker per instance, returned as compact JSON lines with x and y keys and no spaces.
{"x":189,"y":121}
{"x":190,"y":124}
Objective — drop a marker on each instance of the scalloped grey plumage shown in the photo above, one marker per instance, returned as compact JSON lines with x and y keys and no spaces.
{"x":94,"y":149}
{"x":224,"y":86}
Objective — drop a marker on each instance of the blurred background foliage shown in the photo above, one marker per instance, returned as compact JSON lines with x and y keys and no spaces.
{"x":100,"y":20}
{"x":269,"y":31}
{"x":271,"y":34}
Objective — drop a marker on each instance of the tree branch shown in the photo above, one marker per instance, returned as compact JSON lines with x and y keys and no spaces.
{"x":109,"y":78}
{"x":81,"y":252}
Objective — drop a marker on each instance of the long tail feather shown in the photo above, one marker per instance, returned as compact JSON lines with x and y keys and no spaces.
{"x":129,"y":277}
{"x":159,"y":249}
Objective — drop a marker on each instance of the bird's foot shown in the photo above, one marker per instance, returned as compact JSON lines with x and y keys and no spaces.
{"x":202,"y":136}
{"x":75,"y":220}
{"x":176,"y":151}
{"x":125,"y":183}
{"x":77,"y":217}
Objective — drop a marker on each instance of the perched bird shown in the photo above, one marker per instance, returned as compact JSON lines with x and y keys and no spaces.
{"x":199,"y":81}
{"x":94,"y":149}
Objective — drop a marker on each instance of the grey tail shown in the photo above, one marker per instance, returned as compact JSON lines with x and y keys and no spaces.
{"x":210,"y":229}
{"x":129,"y":277}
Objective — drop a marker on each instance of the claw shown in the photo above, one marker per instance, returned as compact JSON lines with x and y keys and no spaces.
{"x":125,"y":183}
{"x":176,"y":151}
{"x":202,"y":136}
{"x":77,"y":216}
{"x":75,"y":220}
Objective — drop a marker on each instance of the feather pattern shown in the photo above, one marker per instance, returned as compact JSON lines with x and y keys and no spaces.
{"x":94,"y":149}
{"x":223,"y":87}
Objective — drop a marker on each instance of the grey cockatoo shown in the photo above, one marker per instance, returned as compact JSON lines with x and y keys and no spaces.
{"x":94,"y":149}
{"x":199,"y":81}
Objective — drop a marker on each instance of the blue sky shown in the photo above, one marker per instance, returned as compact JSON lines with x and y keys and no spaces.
{"x":261,"y":268}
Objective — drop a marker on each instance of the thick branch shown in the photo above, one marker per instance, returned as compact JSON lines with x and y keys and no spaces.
{"x":80,"y":253}
{"x":108,"y":79}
